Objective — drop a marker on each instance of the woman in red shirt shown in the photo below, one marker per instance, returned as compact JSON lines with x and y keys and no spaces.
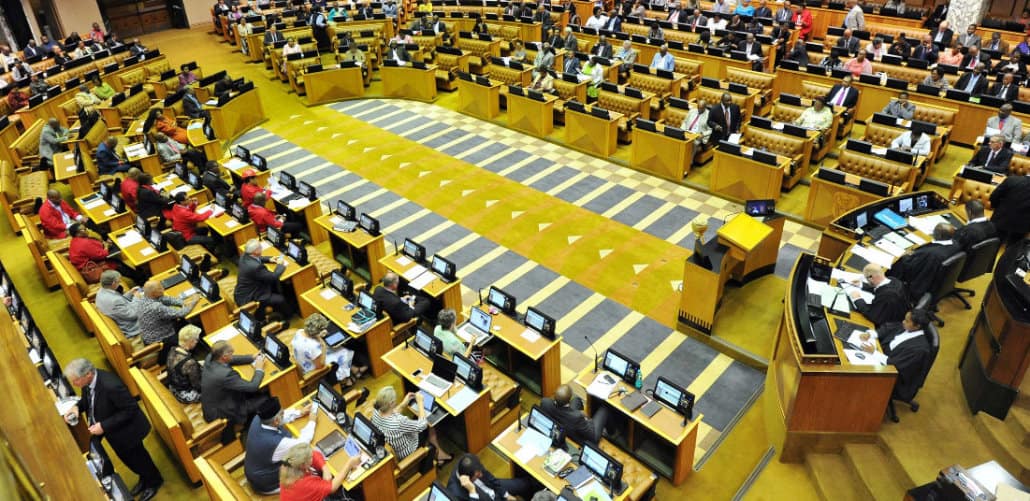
{"x":250,"y":187}
{"x":304,"y":477}
{"x":130,"y":187}
{"x":185,"y":219}
{"x":85,"y":249}
{"x":802,"y":21}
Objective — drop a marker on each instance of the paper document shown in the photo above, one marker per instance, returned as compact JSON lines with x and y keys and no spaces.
{"x":298,"y":203}
{"x":857,"y":357}
{"x":130,"y":237}
{"x":990,"y":131}
{"x":146,"y":251}
{"x":34,"y":356}
{"x":530,"y":335}
{"x":403,"y":260}
{"x":601,"y":388}
{"x":888,"y":247}
{"x":777,"y":125}
{"x":525,"y":454}
{"x":593,"y":490}
{"x":898,"y":239}
{"x":878,"y":150}
{"x":535,"y":441}
{"x":856,"y":337}
{"x":96,"y":202}
{"x":734,"y":138}
{"x":462,"y":399}
{"x":916,"y":239}
{"x":185,"y":188}
{"x":413,"y":272}
{"x":327,"y":293}
{"x":874,"y":255}
{"x":232,"y":223}
{"x":235,"y":163}
{"x":862,"y":293}
{"x":926,"y":224}
{"x":225,"y":335}
{"x":847,"y":276}
{"x":422,"y":281}
{"x":211,"y":102}
{"x":110,"y":212}
{"x":747,"y":151}
{"x":71,"y":168}
{"x":65,"y":405}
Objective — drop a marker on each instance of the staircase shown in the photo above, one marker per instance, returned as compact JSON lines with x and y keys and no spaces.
{"x":1009,"y":440}
{"x":859,"y":472}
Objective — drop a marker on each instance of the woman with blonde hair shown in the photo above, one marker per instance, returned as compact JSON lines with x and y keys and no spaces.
{"x":402,"y":432}
{"x":304,"y":477}
{"x":183,"y":369}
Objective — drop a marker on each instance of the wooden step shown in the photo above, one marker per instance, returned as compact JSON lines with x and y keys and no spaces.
{"x":835,"y":479}
{"x":1005,"y":444}
{"x":1019,"y":421}
{"x":882,"y":477}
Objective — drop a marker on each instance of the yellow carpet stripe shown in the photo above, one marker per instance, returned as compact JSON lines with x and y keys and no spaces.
{"x":389,"y":207}
{"x":406,"y":221}
{"x":546,"y":291}
{"x":368,"y":196}
{"x":578,"y":312}
{"x":707,"y":377}
{"x":653,"y":216}
{"x":623,"y":326}
{"x":672,"y":341}
{"x":513,"y":275}
{"x":626,"y":202}
{"x":483,"y":260}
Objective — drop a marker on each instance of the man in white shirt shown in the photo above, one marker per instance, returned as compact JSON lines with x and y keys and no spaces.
{"x":696,"y":121}
{"x":855,"y":19}
{"x":663,"y":60}
{"x":598,"y":20}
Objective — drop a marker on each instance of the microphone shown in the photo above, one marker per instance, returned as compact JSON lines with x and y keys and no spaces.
{"x":595,"y":352}
{"x":395,"y":250}
{"x":479,"y":294}
{"x":518,"y":419}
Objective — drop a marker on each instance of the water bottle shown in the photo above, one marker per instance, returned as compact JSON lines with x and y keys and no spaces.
{"x":640,"y":379}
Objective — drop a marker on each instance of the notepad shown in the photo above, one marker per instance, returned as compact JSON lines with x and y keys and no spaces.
{"x":146,"y":251}
{"x":422,"y":281}
{"x":413,"y":272}
{"x":403,"y":261}
{"x":225,"y":335}
{"x":327,"y":293}
{"x":534,"y":441}
{"x":232,"y":223}
{"x":530,"y":335}
{"x":130,"y":237}
{"x":874,"y":255}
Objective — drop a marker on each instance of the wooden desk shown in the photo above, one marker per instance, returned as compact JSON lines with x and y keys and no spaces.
{"x":591,"y":134}
{"x":531,"y":116}
{"x":357,"y":251}
{"x":661,"y":155}
{"x":212,"y":148}
{"x":828,"y":201}
{"x":743,"y":178}
{"x":745,"y":249}
{"x":377,"y":338}
{"x":307,"y":210}
{"x":536,"y":364}
{"x":404,"y":361}
{"x":148,"y":162}
{"x":138,"y":253}
{"x":66,"y":172}
{"x":239,"y":115}
{"x":283,"y":383}
{"x":226,"y":227}
{"x":481,"y":101}
{"x":300,"y":278}
{"x":333,"y":85}
{"x":676,"y":437}
{"x":507,"y":444}
{"x":236,"y":166}
{"x":373,"y":483}
{"x":994,"y":361}
{"x":212,"y":315}
{"x":409,"y":83}
{"x":103,"y":215}
{"x":444,"y":294}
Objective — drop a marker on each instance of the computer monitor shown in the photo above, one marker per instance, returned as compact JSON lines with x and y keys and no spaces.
{"x":620,"y":365}
{"x":287,"y":181}
{"x":443,"y":268}
{"x":538,"y":321}
{"x":275,"y":237}
{"x":297,"y":252}
{"x":502,"y":300}
{"x":603,"y":466}
{"x":194,"y":180}
{"x":468,"y":371}
{"x":248,"y":325}
{"x":366,"y":302}
{"x":366,"y":433}
{"x":180,"y":170}
{"x":861,"y":220}
{"x":760,"y":208}
{"x":157,"y":240}
{"x":221,"y":198}
{"x":105,"y":191}
{"x":674,"y":396}
{"x":208,"y":287}
{"x":436,"y":491}
{"x":426,"y":343}
{"x":239,"y":213}
{"x":188,"y":268}
{"x":414,"y":250}
{"x":277,"y":351}
{"x":258,"y":162}
{"x":369,"y":224}
{"x":341,"y":284}
{"x":541,"y":422}
{"x":329,"y":399}
{"x":443,"y":368}
{"x":243,"y":153}
{"x":307,"y":191}
{"x":345,"y":210}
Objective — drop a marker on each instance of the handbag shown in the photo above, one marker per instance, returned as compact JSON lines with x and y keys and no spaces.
{"x":91,"y":272}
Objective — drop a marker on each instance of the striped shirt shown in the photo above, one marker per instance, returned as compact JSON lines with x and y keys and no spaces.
{"x":401,"y":431}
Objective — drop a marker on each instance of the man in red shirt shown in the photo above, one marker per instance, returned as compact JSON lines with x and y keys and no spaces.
{"x":250,"y":188}
{"x":185,"y":218}
{"x":56,"y":216}
{"x":85,"y":248}
{"x":263,"y":218}
{"x":130,"y":186}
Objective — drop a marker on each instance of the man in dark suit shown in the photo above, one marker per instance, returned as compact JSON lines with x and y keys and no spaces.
{"x":977,"y":228}
{"x":255,"y":283}
{"x":31,"y":50}
{"x":224,"y":394}
{"x":1006,"y":89}
{"x":848,"y":42}
{"x":920,"y":269}
{"x":1010,"y":202}
{"x":994,"y":157}
{"x":602,"y":48}
{"x":973,"y":57}
{"x":614,"y":23}
{"x":752,"y":47}
{"x":724,"y":119}
{"x":400,"y":308}
{"x":925,"y":51}
{"x":112,"y":413}
{"x":695,"y":22}
{"x":842,"y":94}
{"x":907,"y":349}
{"x":470,"y":480}
{"x":763,"y":10}
{"x":799,"y":53}
{"x":272,"y":36}
{"x":942,"y":36}
{"x":567,"y":410}
{"x":191,"y":105}
{"x":890,"y":301}
{"x":939,"y":14}
{"x":974,"y":82}
{"x":543,"y":17}
{"x":397,"y":52}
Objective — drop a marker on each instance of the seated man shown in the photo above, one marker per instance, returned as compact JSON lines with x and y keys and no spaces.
{"x":907,"y":349}
{"x":470,"y":480}
{"x":267,"y":443}
{"x":50,"y":142}
{"x":913,"y":141}
{"x":170,"y":150}
{"x":88,"y":254}
{"x":696,"y":121}
{"x":108,"y":161}
{"x":1008,"y":126}
{"x":185,"y":219}
{"x":890,"y":301}
{"x":250,"y":187}
{"x":214,"y":181}
{"x":130,"y":187}
{"x":920,"y":269}
{"x":994,"y":157}
{"x":158,"y":315}
{"x":254,"y":282}
{"x":663,"y":60}
{"x":263,"y":218}
{"x":977,"y":228}
{"x":224,"y":394}
{"x":567,"y":409}
{"x":400,"y":308}
{"x":900,"y":107}
{"x":56,"y":215}
{"x":845,"y":95}
{"x":117,"y":306}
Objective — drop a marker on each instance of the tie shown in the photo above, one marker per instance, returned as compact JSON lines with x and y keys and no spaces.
{"x":972,"y":63}
{"x":990,"y":156}
{"x":174,"y":147}
{"x":694,"y":122}
{"x":1001,"y":93}
{"x":972,"y":84}
{"x":694,"y":27}
{"x":839,"y":101}
{"x":92,"y":405}
{"x":726,"y":114}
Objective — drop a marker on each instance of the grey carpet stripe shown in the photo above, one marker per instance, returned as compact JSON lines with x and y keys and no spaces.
{"x":613,"y":195}
{"x":553,"y":179}
{"x":638,"y":210}
{"x":671,"y":222}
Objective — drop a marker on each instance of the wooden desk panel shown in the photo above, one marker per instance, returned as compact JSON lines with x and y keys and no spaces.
{"x":239,"y":115}
{"x":409,"y":83}
{"x":447,"y":294}
{"x":212,"y":315}
{"x":302,"y":278}
{"x":103,"y":215}
{"x":226,"y":227}
{"x":828,"y":201}
{"x":660,"y":155}
{"x":333,"y":85}
{"x":545,"y":353}
{"x":481,"y":101}
{"x":591,"y":134}
{"x":66,"y":172}
{"x":280,"y":382}
{"x":141,"y":255}
{"x":745,"y":179}
{"x":358,"y":242}
{"x":195,"y":134}
{"x":531,"y":116}
{"x":378,"y":337}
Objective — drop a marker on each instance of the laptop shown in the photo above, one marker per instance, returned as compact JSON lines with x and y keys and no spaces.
{"x":331,"y":443}
{"x":434,"y":413}
{"x":477,"y":329}
{"x":442,"y":377}
{"x":187,"y":272}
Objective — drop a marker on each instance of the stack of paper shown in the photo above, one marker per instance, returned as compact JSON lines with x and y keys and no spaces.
{"x":462,"y":399}
{"x":878,"y":150}
{"x":413,"y":272}
{"x":926,"y":224}
{"x":734,"y":138}
{"x":534,"y":441}
{"x":194,"y":125}
{"x":888,"y":247}
{"x":422,"y":281}
{"x":530,"y":335}
{"x":874,"y":256}
{"x":96,"y":202}
{"x":601,"y":388}
{"x":235,"y":163}
{"x":225,"y":335}
{"x":130,"y":237}
{"x":403,"y":260}
{"x":898,"y":240}
{"x":846,"y":276}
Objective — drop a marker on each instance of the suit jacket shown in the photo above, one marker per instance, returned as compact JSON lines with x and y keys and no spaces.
{"x":391,"y":303}
{"x":855,"y":18}
{"x":702,"y":22}
{"x":570,"y":43}
{"x":223,"y":393}
{"x":895,"y":109}
{"x":973,"y":233}
{"x":756,"y":48}
{"x":978,"y":88}
{"x":967,"y":40}
{"x":1002,"y":46}
{"x":717,"y":117}
{"x":576,"y":424}
{"x":939,"y":14}
{"x":150,"y":203}
{"x":544,"y":59}
{"x":1011,"y":93}
{"x":920,"y":269}
{"x":890,"y":304}
{"x":51,"y":220}
{"x":107,"y":158}
{"x":968,"y":59}
{"x":799,"y":54}
{"x":945,"y":40}
{"x":851,"y":44}
{"x":850,"y":99}
{"x":924,"y":53}
{"x":763,"y":12}
{"x":1011,"y":205}
{"x":113,"y":407}
{"x":1012,"y":130}
{"x":271,"y":38}
{"x":191,"y":106}
{"x":50,"y":141}
{"x":459,"y":493}
{"x":254,"y":282}
{"x":604,"y":51}
{"x":614,"y":24}
{"x":911,"y":358}
{"x":402,"y":53}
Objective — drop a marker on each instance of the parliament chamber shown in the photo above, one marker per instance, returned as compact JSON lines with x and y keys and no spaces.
{"x":702,"y":284}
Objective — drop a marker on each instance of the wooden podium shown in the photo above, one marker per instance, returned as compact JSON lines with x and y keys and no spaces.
{"x":239,"y":115}
{"x":743,"y":178}
{"x":480,"y":101}
{"x":333,"y":85}
{"x":592,"y":134}
{"x":409,"y":82}
{"x":661,"y":155}
{"x":744,"y":249}
{"x":530,"y":115}
{"x":827,"y":200}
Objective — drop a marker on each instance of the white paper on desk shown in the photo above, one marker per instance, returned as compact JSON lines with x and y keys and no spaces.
{"x":211,"y":102}
{"x":926,"y":224}
{"x":298,"y":203}
{"x":817,"y":287}
{"x":753,"y":57}
{"x":232,"y":223}
{"x":593,"y":490}
{"x":71,"y":168}
{"x":888,"y":247}
{"x":403,"y":260}
{"x":69,"y":156}
{"x":65,"y":405}
{"x":747,"y":151}
{"x":600,"y":388}
{"x":265,"y":246}
{"x":462,"y":399}
{"x":898,"y":239}
{"x":225,"y":335}
{"x":878,"y":150}
{"x":235,"y":163}
{"x":327,"y":293}
{"x":130,"y":237}
{"x":862,"y":293}
{"x":146,"y":251}
{"x":422,"y":281}
{"x":194,"y":125}
{"x":181,"y":189}
{"x":1005,"y":492}
{"x":1020,"y":148}
{"x":846,"y":276}
{"x":862,"y":358}
{"x":874,"y":255}
{"x":110,"y":212}
{"x":162,"y":185}
{"x":830,"y":295}
{"x":856,"y":337}
{"x":537,"y":443}
{"x":413,"y":272}
{"x":916,"y":239}
{"x":336,"y":220}
{"x":97,"y":202}
{"x":525,"y":454}
{"x":734,"y":138}
{"x":530,"y":335}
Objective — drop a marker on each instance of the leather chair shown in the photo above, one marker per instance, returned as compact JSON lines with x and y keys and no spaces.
{"x":945,"y":285}
{"x":980,"y":261}
{"x":933,"y":337}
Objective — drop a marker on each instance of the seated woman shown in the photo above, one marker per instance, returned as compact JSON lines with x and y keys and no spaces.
{"x":183,"y":369}
{"x":88,"y":254}
{"x":311,"y":353}
{"x":936,"y":79}
{"x":914,"y":142}
{"x":402,"y":432}
{"x":303,"y":475}
{"x":952,"y":56}
{"x":167,"y":126}
{"x":444,"y":331}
